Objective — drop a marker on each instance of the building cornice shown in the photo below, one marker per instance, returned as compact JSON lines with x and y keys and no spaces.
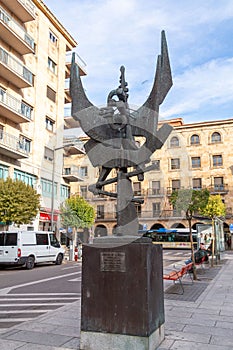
{"x":41,"y":5}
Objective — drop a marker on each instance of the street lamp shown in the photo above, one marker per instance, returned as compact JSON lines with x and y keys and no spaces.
{"x":78,"y":146}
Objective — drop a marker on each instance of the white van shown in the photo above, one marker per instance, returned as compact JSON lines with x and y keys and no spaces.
{"x":29,"y":248}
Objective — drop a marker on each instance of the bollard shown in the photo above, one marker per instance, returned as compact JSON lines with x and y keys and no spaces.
{"x":76,"y":254}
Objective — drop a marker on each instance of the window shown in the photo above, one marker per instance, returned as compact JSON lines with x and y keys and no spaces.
{"x":48,"y":154}
{"x":156,"y":163}
{"x":138,"y":208}
{"x":26,"y":110}
{"x":51,"y":94}
{"x":49,"y":124}
{"x":137,"y":188}
{"x":195,"y":139}
{"x":217,"y":160}
{"x":83,"y":171}
{"x":83,"y":190}
{"x":155,"y":187}
{"x":46,"y":186}
{"x":52,"y":65}
{"x":2,"y":95}
{"x":24,"y":144}
{"x":197,"y":184}
{"x":218,"y":184}
{"x":42,"y":239}
{"x":174,"y":142}
{"x":175,"y":163}
{"x":1,"y":132}
{"x":25,"y":177}
{"x":156,"y":209}
{"x":52,"y":38}
{"x":100,"y":211}
{"x":65,"y":191}
{"x":215,"y":137}
{"x":196,"y":162}
{"x":3,"y":172}
{"x":175,"y":185}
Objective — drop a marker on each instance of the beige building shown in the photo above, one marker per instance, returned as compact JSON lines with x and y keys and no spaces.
{"x":197,"y":155}
{"x":35,"y":58}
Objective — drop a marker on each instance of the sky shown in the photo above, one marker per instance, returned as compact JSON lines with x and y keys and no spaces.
{"x":112,"y":33}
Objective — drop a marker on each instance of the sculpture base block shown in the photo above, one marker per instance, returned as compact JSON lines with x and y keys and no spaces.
{"x":106,"y":341}
{"x":122,"y":296}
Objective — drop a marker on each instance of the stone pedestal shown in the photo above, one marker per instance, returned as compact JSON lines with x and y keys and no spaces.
{"x":122,"y":297}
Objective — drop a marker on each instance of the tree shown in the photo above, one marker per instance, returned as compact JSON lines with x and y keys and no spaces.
{"x":190,"y":201}
{"x":214,"y":208}
{"x":77,"y":213}
{"x":19,"y":202}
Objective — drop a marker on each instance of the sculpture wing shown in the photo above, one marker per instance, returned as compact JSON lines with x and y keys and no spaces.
{"x":146,"y":117}
{"x":78,"y":95}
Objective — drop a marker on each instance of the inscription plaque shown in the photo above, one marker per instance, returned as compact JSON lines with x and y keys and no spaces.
{"x":112,"y":261}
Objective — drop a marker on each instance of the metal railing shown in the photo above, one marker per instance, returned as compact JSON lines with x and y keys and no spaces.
{"x":80,"y":62}
{"x":12,"y":142}
{"x":16,"y":105}
{"x":16,"y":66}
{"x":16,"y":27}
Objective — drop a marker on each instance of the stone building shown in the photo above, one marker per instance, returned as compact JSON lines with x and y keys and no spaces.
{"x":196,"y":155}
{"x":35,"y":58}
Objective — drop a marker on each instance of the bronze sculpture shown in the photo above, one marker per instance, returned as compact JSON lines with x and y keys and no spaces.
{"x":112,"y":131}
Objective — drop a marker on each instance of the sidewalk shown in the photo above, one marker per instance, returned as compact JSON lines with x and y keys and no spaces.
{"x":200,"y":318}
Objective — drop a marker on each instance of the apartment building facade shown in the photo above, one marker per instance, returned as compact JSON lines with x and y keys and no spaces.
{"x":35,"y":59}
{"x":195,"y":156}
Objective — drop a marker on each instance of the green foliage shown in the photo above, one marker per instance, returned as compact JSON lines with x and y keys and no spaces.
{"x":76,"y":212}
{"x":215,"y":207}
{"x":19,"y":202}
{"x":189,"y":200}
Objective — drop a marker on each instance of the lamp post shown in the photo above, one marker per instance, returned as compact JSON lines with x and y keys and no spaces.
{"x":77,"y":145}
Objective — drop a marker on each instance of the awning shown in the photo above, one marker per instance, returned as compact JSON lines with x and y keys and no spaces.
{"x":46,"y":217}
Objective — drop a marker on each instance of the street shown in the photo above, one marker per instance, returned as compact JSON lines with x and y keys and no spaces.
{"x":26,"y":294}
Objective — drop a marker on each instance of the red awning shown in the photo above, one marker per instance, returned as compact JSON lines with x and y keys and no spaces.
{"x":45,"y":217}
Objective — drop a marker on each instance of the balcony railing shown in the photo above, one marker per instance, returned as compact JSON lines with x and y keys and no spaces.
{"x":162,"y":214}
{"x":221,"y":188}
{"x":16,"y":105}
{"x":25,"y":9}
{"x":13,"y":143}
{"x":81,"y":64}
{"x":29,"y":5}
{"x":16,"y":27}
{"x":16,"y":66}
{"x":155,"y":192}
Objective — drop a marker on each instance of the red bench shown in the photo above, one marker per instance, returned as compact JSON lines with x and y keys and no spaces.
{"x":177,"y":275}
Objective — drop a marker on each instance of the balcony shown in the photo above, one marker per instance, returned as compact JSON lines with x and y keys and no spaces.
{"x":161,"y":214}
{"x":155,"y":192}
{"x":218,"y":189}
{"x":24,"y":9}
{"x":105,"y":216}
{"x":78,"y":60}
{"x":73,"y":146}
{"x":67,"y":91}
{"x":12,"y":146}
{"x":70,"y":122}
{"x":14,"y":109}
{"x":72,"y":174}
{"x":14,"y":71}
{"x":14,"y":34}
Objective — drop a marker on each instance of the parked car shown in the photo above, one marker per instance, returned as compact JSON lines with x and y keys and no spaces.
{"x":27,"y":248}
